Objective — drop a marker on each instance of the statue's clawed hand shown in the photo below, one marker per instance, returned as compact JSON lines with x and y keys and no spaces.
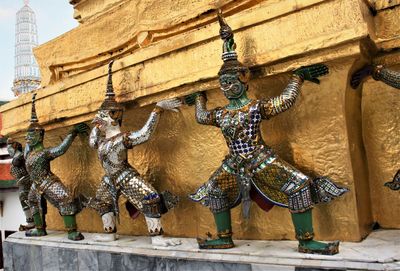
{"x":170,"y":104}
{"x":81,"y":128}
{"x":360,"y":75}
{"x":191,"y":98}
{"x":312,"y":72}
{"x":10,"y":141}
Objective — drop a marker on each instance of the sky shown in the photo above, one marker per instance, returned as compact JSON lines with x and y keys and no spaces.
{"x":53,"y":18}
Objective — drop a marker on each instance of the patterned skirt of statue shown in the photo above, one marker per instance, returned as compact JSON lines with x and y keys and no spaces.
{"x":141,"y":196}
{"x":268,"y":180}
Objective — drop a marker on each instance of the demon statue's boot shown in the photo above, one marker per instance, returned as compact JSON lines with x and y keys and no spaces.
{"x":24,"y":182}
{"x":40,"y":229}
{"x":390,"y":78}
{"x":44,"y":182}
{"x":224,"y":232}
{"x":305,"y":234}
{"x":30,"y":224}
{"x":110,"y":229}
{"x":252,"y":170}
{"x":120,"y":177}
{"x":70,"y":225}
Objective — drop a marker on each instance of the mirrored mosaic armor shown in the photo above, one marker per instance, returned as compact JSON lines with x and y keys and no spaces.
{"x":44,"y":182}
{"x":18,"y":171}
{"x":389,"y":77}
{"x":120,"y":177}
{"x":252,"y":170}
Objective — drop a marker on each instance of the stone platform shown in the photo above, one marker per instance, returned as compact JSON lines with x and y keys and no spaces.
{"x":380,"y":251}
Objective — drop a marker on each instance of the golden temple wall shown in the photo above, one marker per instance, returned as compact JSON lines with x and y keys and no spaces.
{"x":349,"y":135}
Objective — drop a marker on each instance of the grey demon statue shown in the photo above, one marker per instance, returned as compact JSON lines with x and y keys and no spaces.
{"x":44,"y":182}
{"x":24,"y":182}
{"x":389,"y":77}
{"x":120,"y":177}
{"x":252,"y":170}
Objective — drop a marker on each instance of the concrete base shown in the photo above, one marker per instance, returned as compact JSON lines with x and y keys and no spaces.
{"x":380,"y":251}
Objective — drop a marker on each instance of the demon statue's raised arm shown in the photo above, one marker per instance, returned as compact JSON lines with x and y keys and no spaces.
{"x":120,"y":177}
{"x":46,"y":183}
{"x":379,"y":73}
{"x":252,"y":170}
{"x":389,"y":77}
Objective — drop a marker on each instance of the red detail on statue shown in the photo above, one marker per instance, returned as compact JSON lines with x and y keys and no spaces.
{"x":261,"y":201}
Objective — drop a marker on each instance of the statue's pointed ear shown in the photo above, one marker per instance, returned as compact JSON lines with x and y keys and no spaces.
{"x":244,"y":77}
{"x":115,"y":114}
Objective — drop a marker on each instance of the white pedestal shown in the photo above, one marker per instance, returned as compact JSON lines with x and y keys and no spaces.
{"x":380,"y":251}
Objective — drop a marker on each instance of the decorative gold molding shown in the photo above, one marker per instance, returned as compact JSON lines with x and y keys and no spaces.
{"x":154,"y":32}
{"x":87,"y":10}
{"x":387,"y":30}
{"x":182,"y":63}
{"x":145,"y":33}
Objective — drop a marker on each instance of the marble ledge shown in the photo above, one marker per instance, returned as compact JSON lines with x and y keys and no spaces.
{"x":380,"y":251}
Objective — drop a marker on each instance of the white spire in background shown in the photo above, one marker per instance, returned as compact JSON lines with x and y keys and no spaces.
{"x":27,"y":75}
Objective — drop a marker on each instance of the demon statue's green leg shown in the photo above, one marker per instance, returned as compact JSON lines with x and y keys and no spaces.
{"x":39,"y":226}
{"x":70,"y":225}
{"x":300,"y":204}
{"x":224,"y":233}
{"x":39,"y":220}
{"x":219,"y":205}
{"x":23,"y":189}
{"x":305,"y":234}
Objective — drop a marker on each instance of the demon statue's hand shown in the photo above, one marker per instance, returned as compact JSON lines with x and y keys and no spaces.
{"x":11,"y":146}
{"x":360,"y":75}
{"x":395,"y":184}
{"x":191,"y":98}
{"x":10,"y":141}
{"x":170,"y":104}
{"x":312,"y":72}
{"x":81,"y":128}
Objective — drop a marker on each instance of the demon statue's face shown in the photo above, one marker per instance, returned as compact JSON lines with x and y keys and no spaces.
{"x":105,"y":119}
{"x":231,"y":86}
{"x":34,"y":137}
